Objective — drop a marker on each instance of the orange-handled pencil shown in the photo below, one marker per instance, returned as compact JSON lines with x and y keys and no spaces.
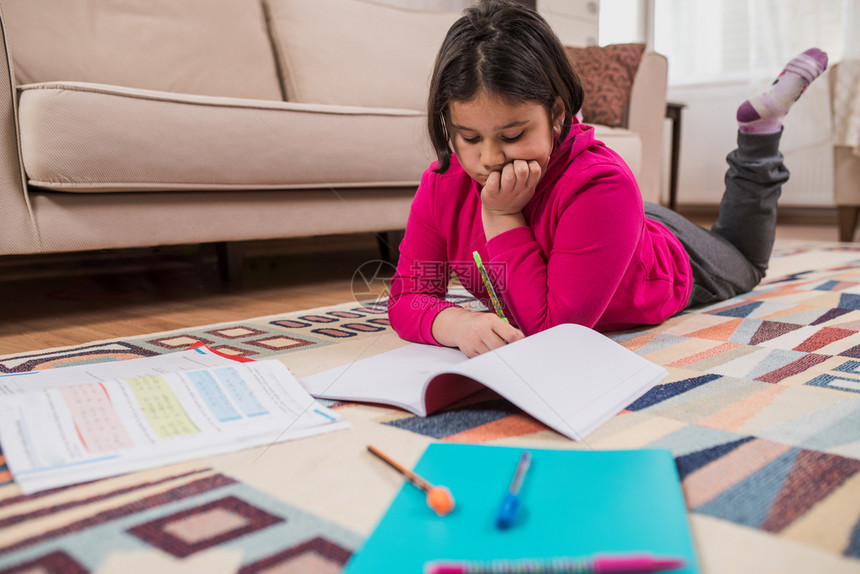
{"x":438,"y":497}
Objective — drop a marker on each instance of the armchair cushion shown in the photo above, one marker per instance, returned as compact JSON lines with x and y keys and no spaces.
{"x":607,"y":75}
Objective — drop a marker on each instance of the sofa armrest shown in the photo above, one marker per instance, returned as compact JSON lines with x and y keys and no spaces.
{"x":846,"y":165}
{"x":846,"y":176}
{"x":646,"y":116}
{"x":18,"y":231}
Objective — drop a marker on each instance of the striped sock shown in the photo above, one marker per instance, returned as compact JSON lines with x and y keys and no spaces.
{"x":763,"y":113}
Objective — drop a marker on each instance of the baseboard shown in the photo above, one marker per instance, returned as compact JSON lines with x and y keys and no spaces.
{"x":197,"y":256}
{"x":788,"y":214}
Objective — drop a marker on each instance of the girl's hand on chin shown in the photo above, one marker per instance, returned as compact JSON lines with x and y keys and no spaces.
{"x":507,"y":192}
{"x":481,"y":332}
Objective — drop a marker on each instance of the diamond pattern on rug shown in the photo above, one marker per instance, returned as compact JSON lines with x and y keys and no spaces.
{"x":335,"y":333}
{"x":191,"y":487}
{"x":316,"y":556}
{"x":364,"y":327}
{"x":280,"y":343}
{"x":290,"y":323}
{"x":196,"y":511}
{"x":257,"y":339}
{"x":237,"y":332}
{"x":318,"y":319}
{"x":180,"y":342}
{"x":346,"y":315}
{"x":234,"y":351}
{"x":195,"y":529}
{"x":56,"y":562}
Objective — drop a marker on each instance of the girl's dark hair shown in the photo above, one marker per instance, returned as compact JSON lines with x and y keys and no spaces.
{"x":511,"y":52}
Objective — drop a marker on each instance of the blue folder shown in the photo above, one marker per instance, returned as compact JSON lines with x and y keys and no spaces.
{"x":573,"y":503}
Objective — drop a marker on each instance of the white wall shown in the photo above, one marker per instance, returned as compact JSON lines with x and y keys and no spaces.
{"x":709,"y":133}
{"x":574,"y":21}
{"x":436,"y":5}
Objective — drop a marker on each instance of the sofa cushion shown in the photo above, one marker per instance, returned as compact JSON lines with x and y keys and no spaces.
{"x":90,"y":137}
{"x":210,"y":47}
{"x":354,"y":52}
{"x":607,"y":74}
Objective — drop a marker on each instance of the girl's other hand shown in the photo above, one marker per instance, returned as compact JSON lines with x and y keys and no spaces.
{"x":473,"y":333}
{"x":507,"y":192}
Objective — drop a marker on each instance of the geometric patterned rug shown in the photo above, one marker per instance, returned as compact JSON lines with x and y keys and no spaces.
{"x":761,"y":410}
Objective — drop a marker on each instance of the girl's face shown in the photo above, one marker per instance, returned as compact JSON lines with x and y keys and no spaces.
{"x":487,"y":133}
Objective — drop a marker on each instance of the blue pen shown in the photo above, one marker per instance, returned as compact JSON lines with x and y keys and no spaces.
{"x":511,"y":502}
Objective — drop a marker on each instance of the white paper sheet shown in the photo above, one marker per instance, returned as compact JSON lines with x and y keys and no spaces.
{"x":192,"y":359}
{"x":72,"y":425}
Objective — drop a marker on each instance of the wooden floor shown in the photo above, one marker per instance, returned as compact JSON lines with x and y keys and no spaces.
{"x":58,"y":300}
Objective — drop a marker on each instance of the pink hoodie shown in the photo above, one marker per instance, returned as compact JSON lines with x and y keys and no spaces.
{"x":588,"y":255}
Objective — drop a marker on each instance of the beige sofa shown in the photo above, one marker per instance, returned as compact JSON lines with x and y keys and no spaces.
{"x":133,"y":123}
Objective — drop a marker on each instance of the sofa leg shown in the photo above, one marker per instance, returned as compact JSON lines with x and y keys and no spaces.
{"x":389,"y":245}
{"x":230,"y":261}
{"x":847,"y":221}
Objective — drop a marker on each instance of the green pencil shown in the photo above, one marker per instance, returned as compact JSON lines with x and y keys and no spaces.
{"x":497,"y":307}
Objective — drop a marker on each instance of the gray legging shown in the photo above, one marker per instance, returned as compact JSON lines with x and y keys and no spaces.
{"x":732,"y":256}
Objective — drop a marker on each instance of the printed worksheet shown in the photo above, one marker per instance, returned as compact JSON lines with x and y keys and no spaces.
{"x":192,"y":359}
{"x":89,"y":426}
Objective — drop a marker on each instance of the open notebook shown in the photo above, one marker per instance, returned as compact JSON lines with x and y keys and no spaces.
{"x":569,"y":377}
